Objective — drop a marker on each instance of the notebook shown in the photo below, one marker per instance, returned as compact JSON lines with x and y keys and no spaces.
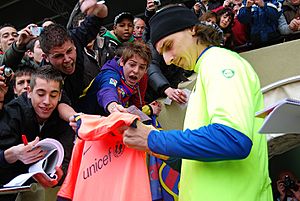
{"x":281,"y":117}
{"x":46,"y":165}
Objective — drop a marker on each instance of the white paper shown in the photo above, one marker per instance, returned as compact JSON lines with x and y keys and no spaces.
{"x":19,"y":180}
{"x":167,"y":101}
{"x":282,"y":118}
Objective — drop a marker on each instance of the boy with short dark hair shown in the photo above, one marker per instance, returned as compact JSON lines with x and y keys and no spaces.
{"x":112,"y":40}
{"x":21,"y":80}
{"x":34,"y":114}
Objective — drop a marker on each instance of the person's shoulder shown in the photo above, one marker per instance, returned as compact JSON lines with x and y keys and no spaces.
{"x":111,"y":65}
{"x":19,"y":107}
{"x":21,"y":101}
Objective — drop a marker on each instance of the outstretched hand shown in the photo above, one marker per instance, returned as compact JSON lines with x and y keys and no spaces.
{"x":156,"y":107}
{"x":90,"y":7}
{"x":177,"y":95}
{"x":137,"y":138}
{"x":72,"y":121}
{"x":25,"y":36}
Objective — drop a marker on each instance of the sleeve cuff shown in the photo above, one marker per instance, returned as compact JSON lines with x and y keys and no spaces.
{"x":3,"y":162}
{"x":15,"y":48}
{"x":153,"y":143}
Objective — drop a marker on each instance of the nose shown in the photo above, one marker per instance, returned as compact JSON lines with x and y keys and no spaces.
{"x":67,"y":58}
{"x":26,"y":85}
{"x":135,"y":69}
{"x":46,"y":100}
{"x":168,"y":58}
{"x":11,"y":38}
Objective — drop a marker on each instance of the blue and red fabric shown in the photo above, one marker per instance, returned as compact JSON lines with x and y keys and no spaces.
{"x":164,"y":181}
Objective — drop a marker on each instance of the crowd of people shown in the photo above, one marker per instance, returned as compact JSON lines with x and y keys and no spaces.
{"x":61,"y":72}
{"x":253,"y":24}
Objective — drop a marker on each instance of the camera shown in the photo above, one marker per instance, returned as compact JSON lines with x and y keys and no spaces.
{"x":157,"y":2}
{"x":7,"y":74}
{"x":289,"y":183}
{"x":36,"y":31}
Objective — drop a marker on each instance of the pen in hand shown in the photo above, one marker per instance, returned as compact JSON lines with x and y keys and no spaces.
{"x":24,"y":139}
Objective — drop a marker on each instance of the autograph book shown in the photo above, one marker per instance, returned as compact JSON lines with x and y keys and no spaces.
{"x":46,"y":165}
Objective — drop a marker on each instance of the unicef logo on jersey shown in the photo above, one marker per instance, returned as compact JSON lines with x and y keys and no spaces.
{"x":118,"y":149}
{"x":228,"y":73}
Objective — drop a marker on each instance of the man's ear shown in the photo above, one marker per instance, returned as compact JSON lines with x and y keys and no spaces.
{"x":193,"y":31}
{"x":114,"y":27}
{"x":29,"y":53}
{"x":15,"y":91}
{"x":28,"y":92}
{"x":121,"y":61}
{"x":60,"y":95}
{"x":45,"y":57}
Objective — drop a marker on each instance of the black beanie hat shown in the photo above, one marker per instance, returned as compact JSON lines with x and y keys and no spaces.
{"x":170,"y":20}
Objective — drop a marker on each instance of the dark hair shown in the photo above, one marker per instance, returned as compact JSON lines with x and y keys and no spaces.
{"x":228,"y":12}
{"x":7,"y":25}
{"x":136,"y":48}
{"x":30,"y":45}
{"x":23,"y":70}
{"x":208,"y":14}
{"x":54,"y":35}
{"x":48,"y":19}
{"x":46,"y":72}
{"x":124,"y":15}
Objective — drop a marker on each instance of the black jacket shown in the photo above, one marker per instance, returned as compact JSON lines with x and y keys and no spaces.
{"x":18,"y":117}
{"x":161,"y":76}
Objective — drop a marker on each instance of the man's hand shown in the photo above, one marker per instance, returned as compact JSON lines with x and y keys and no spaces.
{"x":25,"y":153}
{"x":92,"y":7}
{"x":24,"y":37}
{"x":137,"y":138}
{"x":281,"y":189}
{"x":72,"y":121}
{"x":176,"y":95}
{"x":295,"y":24}
{"x":156,"y":107}
{"x":150,"y":5}
{"x":197,"y":7}
{"x":45,"y":182}
{"x":115,"y":107}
